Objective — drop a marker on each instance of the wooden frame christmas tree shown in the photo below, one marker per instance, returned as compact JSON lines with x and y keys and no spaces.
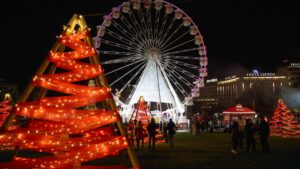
{"x":59,"y":125}
{"x":141,"y":112}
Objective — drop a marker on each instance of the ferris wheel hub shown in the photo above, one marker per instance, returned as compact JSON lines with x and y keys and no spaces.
{"x":153,"y":53}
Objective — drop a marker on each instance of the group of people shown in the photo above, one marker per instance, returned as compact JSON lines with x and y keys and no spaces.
{"x":240,"y":131}
{"x":139,"y":133}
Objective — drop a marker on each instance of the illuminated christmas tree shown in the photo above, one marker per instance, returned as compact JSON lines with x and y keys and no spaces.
{"x":141,"y":112}
{"x":59,"y":124}
{"x":276,"y":120}
{"x":283,"y":122}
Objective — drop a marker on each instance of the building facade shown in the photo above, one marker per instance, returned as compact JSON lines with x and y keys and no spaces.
{"x":8,"y":90}
{"x":294,"y":74}
{"x":258,"y":91}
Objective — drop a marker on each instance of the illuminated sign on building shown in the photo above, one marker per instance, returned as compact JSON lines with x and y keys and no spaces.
{"x":230,"y":77}
{"x":295,"y":64}
{"x":211,"y":80}
{"x":260,"y":74}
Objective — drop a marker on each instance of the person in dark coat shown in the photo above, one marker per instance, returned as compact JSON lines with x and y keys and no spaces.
{"x":234,"y":136}
{"x":151,"y":128}
{"x":171,"y":132}
{"x":250,"y":132}
{"x":264,"y":132}
{"x":165,"y":131}
{"x":241,"y":134}
{"x":140,"y":135}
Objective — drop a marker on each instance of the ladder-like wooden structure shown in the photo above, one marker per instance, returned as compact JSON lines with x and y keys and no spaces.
{"x":58,"y":125}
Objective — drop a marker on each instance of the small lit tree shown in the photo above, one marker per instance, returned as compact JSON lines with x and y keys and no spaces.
{"x":141,"y":112}
{"x":283,"y":122}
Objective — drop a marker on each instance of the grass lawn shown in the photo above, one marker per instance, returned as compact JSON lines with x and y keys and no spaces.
{"x":208,"y":151}
{"x":212,"y":151}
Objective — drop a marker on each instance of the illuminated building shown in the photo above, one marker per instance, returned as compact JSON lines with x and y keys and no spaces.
{"x":8,"y":90}
{"x":258,"y":91}
{"x":294,"y":74}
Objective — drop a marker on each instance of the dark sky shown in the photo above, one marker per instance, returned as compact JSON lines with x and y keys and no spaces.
{"x":239,"y":35}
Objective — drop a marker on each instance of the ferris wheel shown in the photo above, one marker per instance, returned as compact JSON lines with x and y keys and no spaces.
{"x":152,"y":49}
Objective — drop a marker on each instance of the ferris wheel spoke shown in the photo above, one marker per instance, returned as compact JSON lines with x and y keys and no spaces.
{"x":173,"y":41}
{"x":123,"y":60}
{"x":162,"y":32}
{"x":185,"y":72}
{"x":120,"y":68}
{"x":180,"y":77}
{"x":187,"y":81}
{"x":165,"y":41}
{"x":180,"y":63}
{"x":140,"y":44}
{"x":133,"y":26}
{"x":116,"y":44}
{"x":127,"y":73}
{"x":120,"y":38}
{"x":126,"y":31}
{"x":166,"y":32}
{"x":143,"y":17}
{"x":145,"y":27}
{"x":116,"y":53}
{"x":139,"y":31}
{"x":149,"y":25}
{"x":181,"y":57}
{"x":156,"y":25}
{"x":136,"y":24}
{"x":177,"y":46}
{"x":182,"y":51}
{"x":176,"y":83}
{"x":133,"y":77}
{"x":160,"y":28}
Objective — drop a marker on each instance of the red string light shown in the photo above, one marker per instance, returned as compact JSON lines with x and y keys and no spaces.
{"x":283,"y":122}
{"x":5,"y":110}
{"x":55,"y":118}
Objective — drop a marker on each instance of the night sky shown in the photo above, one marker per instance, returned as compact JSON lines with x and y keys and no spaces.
{"x":239,"y":35}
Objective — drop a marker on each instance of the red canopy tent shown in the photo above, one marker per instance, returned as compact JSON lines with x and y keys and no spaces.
{"x":232,"y":113}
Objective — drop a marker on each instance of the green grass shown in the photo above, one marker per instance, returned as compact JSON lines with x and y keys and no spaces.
{"x":212,"y":151}
{"x":208,"y":151}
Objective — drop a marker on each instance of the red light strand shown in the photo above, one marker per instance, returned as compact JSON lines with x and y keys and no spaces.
{"x":54,"y":118}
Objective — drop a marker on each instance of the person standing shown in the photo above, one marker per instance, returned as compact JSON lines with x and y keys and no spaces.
{"x":264,"y":132}
{"x":140,"y":135}
{"x":160,"y":126}
{"x":134,"y":131}
{"x":165,"y":132}
{"x":250,"y":132}
{"x":241,"y":134}
{"x":234,"y":136}
{"x":194,"y":125}
{"x":151,"y":128}
{"x":171,"y":132}
{"x":131,"y":132}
